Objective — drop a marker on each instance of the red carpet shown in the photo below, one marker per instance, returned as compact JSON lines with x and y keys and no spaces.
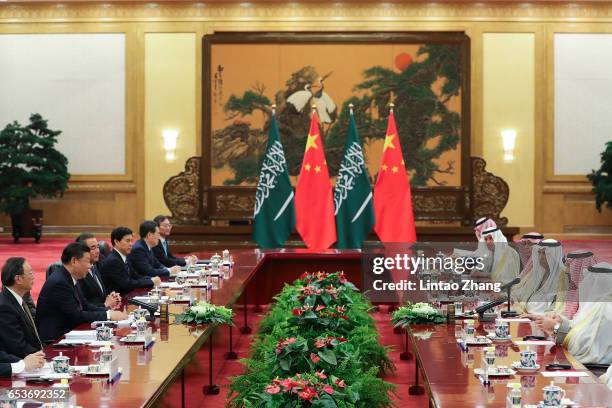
{"x":39,"y":256}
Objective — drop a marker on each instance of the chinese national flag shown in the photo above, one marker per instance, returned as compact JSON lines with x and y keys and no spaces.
{"x":392,"y":196}
{"x":314,"y":204}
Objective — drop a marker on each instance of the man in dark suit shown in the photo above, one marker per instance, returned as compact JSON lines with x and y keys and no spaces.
{"x":142,"y":259}
{"x":11,"y":365}
{"x":92,"y":286}
{"x":116,"y":271}
{"x":61,"y":305}
{"x":18,"y":335}
{"x":162,"y":250}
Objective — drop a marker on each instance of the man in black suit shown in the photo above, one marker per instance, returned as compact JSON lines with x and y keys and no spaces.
{"x":162,"y":250}
{"x":116,"y":271}
{"x":61,"y":305}
{"x":11,"y":365}
{"x":18,"y":335}
{"x":92,"y":286}
{"x":142,"y":259}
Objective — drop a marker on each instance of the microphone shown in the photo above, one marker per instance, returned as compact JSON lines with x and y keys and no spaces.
{"x":152,"y":308}
{"x":508,"y":287}
{"x":481,"y":309}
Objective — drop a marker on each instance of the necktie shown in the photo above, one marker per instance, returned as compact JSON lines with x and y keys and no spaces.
{"x":165,"y":245}
{"x":26,"y":309}
{"x":78,"y":297}
{"x":95,"y":276}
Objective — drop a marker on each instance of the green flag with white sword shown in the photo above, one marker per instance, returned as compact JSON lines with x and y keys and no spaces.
{"x":274,"y":213}
{"x":353,"y":194}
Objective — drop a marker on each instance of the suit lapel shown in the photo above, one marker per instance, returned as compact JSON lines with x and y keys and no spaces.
{"x":18,"y":309}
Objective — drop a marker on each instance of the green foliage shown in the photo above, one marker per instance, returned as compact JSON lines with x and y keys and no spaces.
{"x":602,"y":179}
{"x":30,"y":166}
{"x":205,"y":313}
{"x":316,"y":347}
{"x":417,"y":313}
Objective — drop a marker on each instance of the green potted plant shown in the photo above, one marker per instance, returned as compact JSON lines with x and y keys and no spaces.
{"x":602,"y":179}
{"x":30,"y":167}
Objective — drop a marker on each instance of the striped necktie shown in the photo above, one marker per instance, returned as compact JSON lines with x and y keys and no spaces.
{"x":26,"y":309}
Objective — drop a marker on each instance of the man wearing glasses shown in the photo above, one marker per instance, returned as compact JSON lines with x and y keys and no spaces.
{"x":162,"y":250}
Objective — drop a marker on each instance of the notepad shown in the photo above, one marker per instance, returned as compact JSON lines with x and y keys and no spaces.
{"x":513,"y":320}
{"x":564,"y":373}
{"x":81,"y":335}
{"x":534,"y":343}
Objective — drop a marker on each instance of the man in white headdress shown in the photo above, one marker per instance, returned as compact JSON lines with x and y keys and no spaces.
{"x":588,"y":336}
{"x":502,"y":262}
{"x":607,"y":378}
{"x":524,"y":246}
{"x":538,"y":290}
{"x":479,"y":226}
{"x":576,"y":262}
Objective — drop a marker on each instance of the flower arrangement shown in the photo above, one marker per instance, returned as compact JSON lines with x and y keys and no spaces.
{"x":417,"y":313}
{"x":205,"y":313}
{"x":318,"y":326}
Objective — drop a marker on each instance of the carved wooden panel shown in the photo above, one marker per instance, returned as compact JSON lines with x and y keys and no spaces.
{"x":489,"y":193}
{"x":182,"y":193}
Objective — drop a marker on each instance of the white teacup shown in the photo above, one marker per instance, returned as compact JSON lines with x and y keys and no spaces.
{"x":61,"y":364}
{"x":104,"y":333}
{"x":553,"y":395}
{"x":141,"y":313}
{"x":528,"y":358}
{"x":180,"y":279}
{"x":502,"y":330}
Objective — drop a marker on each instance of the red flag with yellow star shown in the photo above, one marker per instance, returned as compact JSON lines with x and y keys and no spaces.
{"x":314,"y":202}
{"x":394,"y":219}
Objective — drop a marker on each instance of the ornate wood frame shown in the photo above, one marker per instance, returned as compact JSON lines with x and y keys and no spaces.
{"x":235,"y":203}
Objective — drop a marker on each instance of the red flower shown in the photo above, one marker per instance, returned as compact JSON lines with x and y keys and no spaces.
{"x":297,"y":312}
{"x":340,"y":383}
{"x":272,"y":389}
{"x":290,"y":341}
{"x":304,"y":275}
{"x":314,"y":358}
{"x":319,"y":308}
{"x":320,"y":343}
{"x":341,"y":339}
{"x":321,"y":375}
{"x":328,"y":389}
{"x":345,"y":317}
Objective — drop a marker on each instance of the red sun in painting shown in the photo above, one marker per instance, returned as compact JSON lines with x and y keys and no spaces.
{"x":403,"y":61}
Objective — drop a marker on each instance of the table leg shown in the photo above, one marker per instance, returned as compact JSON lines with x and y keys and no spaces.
{"x":406,"y":355}
{"x":210,"y":389}
{"x":416,"y":389}
{"x":245,"y":329}
{"x":231,"y":354}
{"x":183,"y":388}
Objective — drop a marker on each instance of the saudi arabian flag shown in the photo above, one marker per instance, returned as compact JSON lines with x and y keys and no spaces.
{"x":274,"y":215}
{"x":353,"y":194}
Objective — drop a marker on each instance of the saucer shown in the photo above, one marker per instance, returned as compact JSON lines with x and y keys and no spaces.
{"x":493,"y":337}
{"x":493,"y":372}
{"x":517,"y":365}
{"x":473,"y":342}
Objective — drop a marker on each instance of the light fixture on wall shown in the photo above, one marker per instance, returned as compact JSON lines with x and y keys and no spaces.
{"x":170,"y":136}
{"x":509,"y":141}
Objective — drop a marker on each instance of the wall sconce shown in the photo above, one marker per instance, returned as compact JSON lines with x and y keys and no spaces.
{"x":170,"y":136}
{"x":509,"y":141}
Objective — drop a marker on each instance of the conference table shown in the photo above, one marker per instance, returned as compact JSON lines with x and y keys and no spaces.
{"x":447,"y":369}
{"x":163,"y":374}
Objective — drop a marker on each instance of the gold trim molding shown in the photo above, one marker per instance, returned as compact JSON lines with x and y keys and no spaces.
{"x":296,"y":12}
